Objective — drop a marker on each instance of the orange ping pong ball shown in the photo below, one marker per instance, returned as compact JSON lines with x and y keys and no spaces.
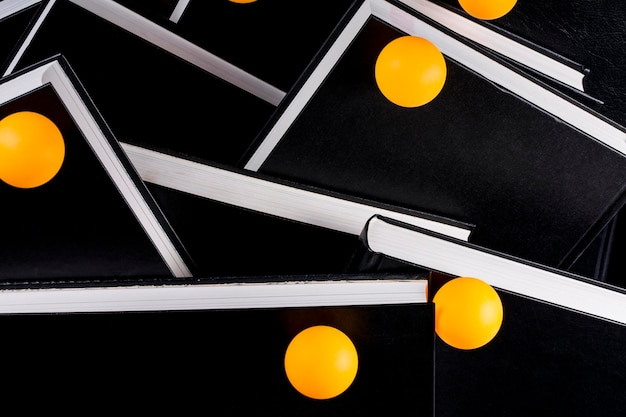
{"x":410,"y":71}
{"x":321,"y":362}
{"x":487,"y":9}
{"x":31,"y":149}
{"x":468,"y":313}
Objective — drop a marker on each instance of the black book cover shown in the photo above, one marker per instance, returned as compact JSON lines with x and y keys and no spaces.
{"x":148,"y":96}
{"x":273,"y":40}
{"x":226,"y":240}
{"x":219,"y":362}
{"x":545,"y":360}
{"x":588,"y":33}
{"x":95,"y":218}
{"x":533,"y":186}
{"x":237,"y":222}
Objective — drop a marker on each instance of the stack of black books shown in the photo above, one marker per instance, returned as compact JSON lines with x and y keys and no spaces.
{"x":232,"y":175}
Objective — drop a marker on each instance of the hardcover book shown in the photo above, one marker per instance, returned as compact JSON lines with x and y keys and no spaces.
{"x":293,"y":163}
{"x":171,"y":99}
{"x":217,"y":348}
{"x":545,"y":360}
{"x":95,"y":218}
{"x":437,"y":252}
{"x":273,"y":40}
{"x":582,"y":33}
{"x":537,"y":174}
{"x":211,"y":216}
{"x":235,"y":222}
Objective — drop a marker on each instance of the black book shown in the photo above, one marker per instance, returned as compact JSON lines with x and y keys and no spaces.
{"x":580,"y":32}
{"x":561,"y":333}
{"x":272,"y":40}
{"x":436,"y":252}
{"x":217,"y":348}
{"x":95,"y":218}
{"x":566,"y":362}
{"x":159,"y":90}
{"x":236,"y":222}
{"x":221,"y":217}
{"x":537,"y":173}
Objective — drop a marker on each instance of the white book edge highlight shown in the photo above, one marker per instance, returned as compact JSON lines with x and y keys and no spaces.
{"x":499,"y":43}
{"x":311,"y":85}
{"x":508,"y":79}
{"x":523,"y":87}
{"x":29,"y":37}
{"x":54,"y":74}
{"x":179,"y":9}
{"x":215,"y":296}
{"x":10,"y":7}
{"x":428,"y":250}
{"x":140,"y":26}
{"x":268,"y":197}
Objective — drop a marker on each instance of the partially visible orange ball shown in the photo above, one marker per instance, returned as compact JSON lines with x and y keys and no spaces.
{"x":321,"y":362}
{"x":468,"y":313}
{"x":487,"y":9}
{"x":410,"y":71}
{"x":32,"y":149}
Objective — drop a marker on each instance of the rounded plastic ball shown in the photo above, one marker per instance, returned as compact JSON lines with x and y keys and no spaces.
{"x":487,"y":9}
{"x":321,"y":362}
{"x":32,"y":149}
{"x":468,"y":313}
{"x":410,"y":71}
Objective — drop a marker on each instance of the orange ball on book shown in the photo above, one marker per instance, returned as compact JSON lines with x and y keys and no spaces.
{"x":410,"y":71}
{"x":321,"y":362}
{"x":487,"y":9}
{"x":32,"y":149}
{"x":468,"y":313}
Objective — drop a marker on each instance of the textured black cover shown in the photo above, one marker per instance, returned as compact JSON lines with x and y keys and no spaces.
{"x":77,"y":225}
{"x":148,"y":96}
{"x":533,"y":186}
{"x":589,"y":33}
